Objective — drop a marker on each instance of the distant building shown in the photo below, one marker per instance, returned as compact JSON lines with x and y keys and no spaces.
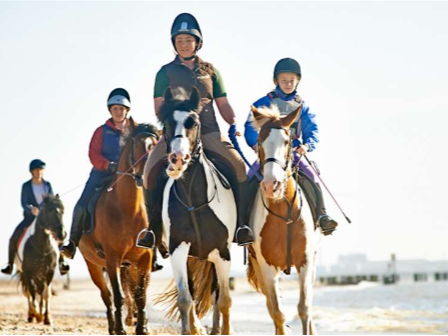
{"x":354,"y":268}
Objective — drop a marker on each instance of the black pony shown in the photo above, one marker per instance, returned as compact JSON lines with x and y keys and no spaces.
{"x":37,"y":257}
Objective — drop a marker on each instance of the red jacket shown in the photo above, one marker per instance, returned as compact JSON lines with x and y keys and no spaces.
{"x":96,"y":147}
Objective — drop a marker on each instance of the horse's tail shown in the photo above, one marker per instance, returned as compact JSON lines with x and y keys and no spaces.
{"x":21,"y":282}
{"x":201,"y":284}
{"x":251,"y":273}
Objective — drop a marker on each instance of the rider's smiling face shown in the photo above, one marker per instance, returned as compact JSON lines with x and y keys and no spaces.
{"x":287,"y":81}
{"x":185,"y":45}
{"x":118,"y":113}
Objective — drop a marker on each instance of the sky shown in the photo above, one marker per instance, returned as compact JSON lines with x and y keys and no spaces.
{"x":375,"y":74}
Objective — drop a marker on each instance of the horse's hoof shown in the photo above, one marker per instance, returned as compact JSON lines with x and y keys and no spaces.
{"x":30,"y":319}
{"x":120,"y":332}
{"x":216,"y":331}
{"x":129,"y":321}
{"x":48,"y":321}
{"x":144,"y":330}
{"x":39,"y":318}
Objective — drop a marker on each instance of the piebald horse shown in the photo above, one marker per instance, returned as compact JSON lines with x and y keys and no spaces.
{"x":199,"y":216}
{"x":120,"y":216}
{"x":37,"y":257}
{"x":278,"y":212}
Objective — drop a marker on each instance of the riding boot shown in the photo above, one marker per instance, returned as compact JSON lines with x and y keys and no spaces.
{"x":326,"y":223}
{"x":69,"y":250}
{"x":13,"y":242}
{"x":11,"y":253}
{"x":244,"y":234}
{"x":153,"y":236}
{"x":253,"y":185}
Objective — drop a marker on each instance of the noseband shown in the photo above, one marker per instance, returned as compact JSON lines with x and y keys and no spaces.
{"x":197,"y":148}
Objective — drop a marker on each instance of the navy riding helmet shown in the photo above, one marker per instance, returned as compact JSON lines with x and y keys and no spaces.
{"x":37,"y":164}
{"x":186,"y":23}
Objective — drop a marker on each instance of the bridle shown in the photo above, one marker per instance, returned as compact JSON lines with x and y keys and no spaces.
{"x":138,"y":177}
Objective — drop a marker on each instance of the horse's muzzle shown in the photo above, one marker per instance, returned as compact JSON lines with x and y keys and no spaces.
{"x":272,"y":189}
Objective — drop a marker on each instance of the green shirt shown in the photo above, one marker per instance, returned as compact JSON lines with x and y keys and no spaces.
{"x":162,"y":83}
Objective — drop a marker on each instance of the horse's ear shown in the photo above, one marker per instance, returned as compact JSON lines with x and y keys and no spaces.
{"x":258,"y":116}
{"x":168,"y":96}
{"x":57,"y":196}
{"x":290,"y":118}
{"x":195,"y":97}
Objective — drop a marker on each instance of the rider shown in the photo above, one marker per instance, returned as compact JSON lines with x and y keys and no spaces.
{"x":186,"y":71}
{"x":104,"y":152}
{"x":287,"y":76}
{"x":33,"y":194}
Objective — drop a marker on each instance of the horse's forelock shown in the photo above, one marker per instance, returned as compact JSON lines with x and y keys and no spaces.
{"x":268,"y":115}
{"x":180,"y":102}
{"x":55,"y":201}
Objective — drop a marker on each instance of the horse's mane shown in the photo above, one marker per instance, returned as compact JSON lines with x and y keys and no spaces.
{"x":129,"y":133}
{"x":268,"y":114}
{"x":180,"y":102}
{"x":145,"y":128}
{"x":54,"y":200}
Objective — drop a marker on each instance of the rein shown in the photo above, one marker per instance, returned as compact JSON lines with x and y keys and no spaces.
{"x":137,"y":177}
{"x":188,"y":204}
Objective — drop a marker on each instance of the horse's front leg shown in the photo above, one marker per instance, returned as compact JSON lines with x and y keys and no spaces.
{"x":224,"y":300}
{"x":47,"y":298}
{"x":306,"y":276}
{"x":144,"y":267}
{"x":113,"y":269}
{"x":184,"y":300}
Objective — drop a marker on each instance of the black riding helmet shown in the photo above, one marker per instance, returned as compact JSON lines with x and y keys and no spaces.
{"x":186,"y":23}
{"x":119,"y":96}
{"x":37,"y":164}
{"x":287,"y":65}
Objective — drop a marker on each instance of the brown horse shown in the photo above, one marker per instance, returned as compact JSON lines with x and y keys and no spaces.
{"x":278,"y":213}
{"x":120,"y":216}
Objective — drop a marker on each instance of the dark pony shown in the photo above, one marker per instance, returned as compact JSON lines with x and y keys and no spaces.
{"x":37,"y":257}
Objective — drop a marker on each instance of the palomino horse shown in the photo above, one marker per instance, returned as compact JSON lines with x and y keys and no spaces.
{"x":277,"y":214}
{"x":199,"y":216}
{"x":37,"y":257}
{"x":120,"y":216}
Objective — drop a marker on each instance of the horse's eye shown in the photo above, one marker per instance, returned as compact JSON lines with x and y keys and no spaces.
{"x":190,"y":123}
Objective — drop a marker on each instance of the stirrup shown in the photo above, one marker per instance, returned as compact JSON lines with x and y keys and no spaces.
{"x":249,"y":237}
{"x":331,"y":227}
{"x":143,"y":242}
{"x":68,"y":251}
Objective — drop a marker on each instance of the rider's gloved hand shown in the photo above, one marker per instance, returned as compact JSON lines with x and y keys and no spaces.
{"x":112,"y":167}
{"x":234,"y":130}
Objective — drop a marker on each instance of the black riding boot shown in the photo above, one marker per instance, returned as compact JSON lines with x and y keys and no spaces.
{"x":153,"y":236}
{"x":253,"y":185}
{"x":244,"y":234}
{"x":13,"y":242}
{"x":327,"y":224}
{"x":69,"y":250}
{"x":315,"y":198}
{"x":11,"y":254}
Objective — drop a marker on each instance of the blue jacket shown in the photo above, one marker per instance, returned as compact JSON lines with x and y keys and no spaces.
{"x":28,"y":198}
{"x":309,"y":129}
